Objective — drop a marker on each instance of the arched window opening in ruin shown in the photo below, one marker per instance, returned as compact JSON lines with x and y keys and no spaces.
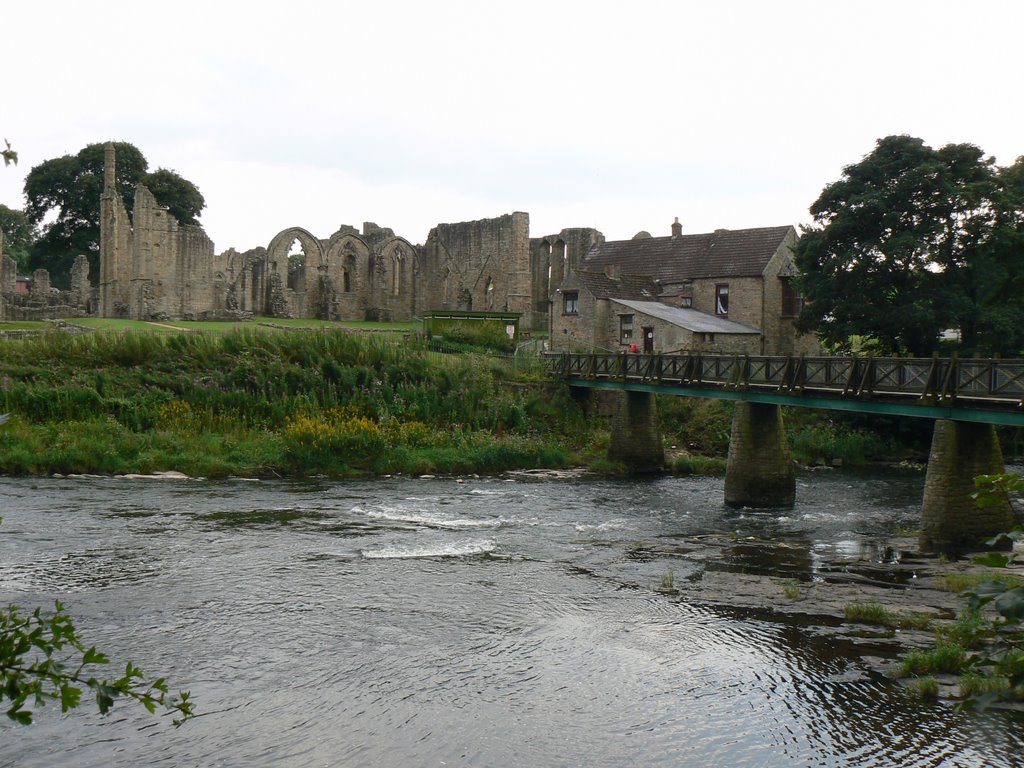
{"x":348,"y":271}
{"x":489,"y":302}
{"x":396,"y":272}
{"x":296,"y":266}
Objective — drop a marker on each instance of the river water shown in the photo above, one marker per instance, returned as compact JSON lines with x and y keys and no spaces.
{"x":475,"y":622}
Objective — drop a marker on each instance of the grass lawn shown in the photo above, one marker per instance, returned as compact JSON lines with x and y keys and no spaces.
{"x":24,"y":325}
{"x":169,"y":326}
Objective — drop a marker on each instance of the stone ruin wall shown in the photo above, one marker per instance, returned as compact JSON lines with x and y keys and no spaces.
{"x":479,"y":265}
{"x":115,"y":247}
{"x":43,"y":302}
{"x":552,"y":258}
{"x":172,"y":265}
{"x":154,"y":268}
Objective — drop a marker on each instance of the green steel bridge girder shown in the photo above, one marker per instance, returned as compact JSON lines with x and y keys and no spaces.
{"x":961,"y":411}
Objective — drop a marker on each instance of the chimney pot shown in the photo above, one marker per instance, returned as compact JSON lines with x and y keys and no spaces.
{"x":677,"y":228}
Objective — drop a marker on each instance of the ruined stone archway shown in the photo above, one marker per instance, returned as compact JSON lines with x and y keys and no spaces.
{"x":395,"y":280}
{"x":282,"y":293}
{"x":347,"y":275}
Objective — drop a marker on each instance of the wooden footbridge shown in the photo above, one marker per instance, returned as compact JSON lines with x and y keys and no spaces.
{"x":965,"y":397}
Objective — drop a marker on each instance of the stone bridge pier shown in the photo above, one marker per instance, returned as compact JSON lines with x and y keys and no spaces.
{"x":950,"y":520}
{"x":759,"y":471}
{"x":636,"y":433}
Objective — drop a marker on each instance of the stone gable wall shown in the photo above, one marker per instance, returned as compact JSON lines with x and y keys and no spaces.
{"x":745,"y":298}
{"x":478,"y":265}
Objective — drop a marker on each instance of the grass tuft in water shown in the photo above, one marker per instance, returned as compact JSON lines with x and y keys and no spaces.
{"x":925,"y":687}
{"x":873,"y":613}
{"x":668,"y":580}
{"x":973,"y":684}
{"x":969,"y":630}
{"x":959,"y":582}
{"x":948,"y":658}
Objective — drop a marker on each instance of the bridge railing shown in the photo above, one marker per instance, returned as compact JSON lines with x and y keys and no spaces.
{"x":937,"y":380}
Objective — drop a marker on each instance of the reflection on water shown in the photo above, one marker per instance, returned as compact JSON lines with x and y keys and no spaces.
{"x":488,"y":623}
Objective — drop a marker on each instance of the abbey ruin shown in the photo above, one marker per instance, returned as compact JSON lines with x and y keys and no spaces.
{"x":727,"y":290}
{"x":154,"y":268}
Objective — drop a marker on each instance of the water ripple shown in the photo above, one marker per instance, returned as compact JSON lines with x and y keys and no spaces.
{"x":409,"y":622}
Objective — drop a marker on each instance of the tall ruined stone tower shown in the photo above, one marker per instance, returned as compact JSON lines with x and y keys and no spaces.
{"x":151,"y":267}
{"x":115,"y":243}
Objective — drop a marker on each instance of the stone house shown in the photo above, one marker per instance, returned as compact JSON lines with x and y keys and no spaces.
{"x":723,"y":291}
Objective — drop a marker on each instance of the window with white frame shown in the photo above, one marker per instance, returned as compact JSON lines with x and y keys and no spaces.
{"x":571,"y":302}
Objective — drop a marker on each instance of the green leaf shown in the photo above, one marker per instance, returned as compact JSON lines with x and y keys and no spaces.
{"x":69,"y":697}
{"x":21,"y":716}
{"x":993,"y":559}
{"x":1011,"y":604}
{"x":92,"y":656}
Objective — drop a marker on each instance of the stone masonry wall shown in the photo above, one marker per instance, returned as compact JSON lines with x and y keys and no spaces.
{"x":115,"y":246}
{"x":744,"y":298}
{"x":552,"y":259}
{"x":8,"y":275}
{"x":759,"y":470}
{"x":478,"y":265}
{"x":950,"y":520}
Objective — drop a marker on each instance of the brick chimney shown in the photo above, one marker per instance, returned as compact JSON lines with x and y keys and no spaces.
{"x":677,"y":228}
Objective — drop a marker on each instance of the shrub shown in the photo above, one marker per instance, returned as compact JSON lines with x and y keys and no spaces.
{"x":827,"y":440}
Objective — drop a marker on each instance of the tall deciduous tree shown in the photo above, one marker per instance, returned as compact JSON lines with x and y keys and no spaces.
{"x":19,"y":235}
{"x":912,"y":241}
{"x":68,"y":188}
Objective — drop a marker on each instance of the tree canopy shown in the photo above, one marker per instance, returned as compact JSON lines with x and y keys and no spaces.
{"x":18,"y":235}
{"x":68,"y":189}
{"x":912,"y":241}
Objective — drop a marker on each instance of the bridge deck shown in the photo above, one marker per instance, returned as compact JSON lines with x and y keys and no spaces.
{"x":990,"y":391}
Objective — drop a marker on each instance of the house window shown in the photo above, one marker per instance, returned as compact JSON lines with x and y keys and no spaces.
{"x":570,"y":302}
{"x":722,"y":299}
{"x":625,"y":329}
{"x":792,"y":301}
{"x":686,"y":302}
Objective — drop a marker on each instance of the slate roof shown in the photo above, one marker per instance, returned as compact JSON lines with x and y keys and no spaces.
{"x":722,"y":253}
{"x":626,"y":286}
{"x":690,"y":319}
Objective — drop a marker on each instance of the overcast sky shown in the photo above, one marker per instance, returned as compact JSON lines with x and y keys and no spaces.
{"x":614,"y":115}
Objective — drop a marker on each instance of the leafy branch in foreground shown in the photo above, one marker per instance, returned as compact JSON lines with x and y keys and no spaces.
{"x":42,"y":659}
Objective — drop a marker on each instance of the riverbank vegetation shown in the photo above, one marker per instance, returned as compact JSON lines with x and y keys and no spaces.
{"x":256,"y":400}
{"x":264,"y":404}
